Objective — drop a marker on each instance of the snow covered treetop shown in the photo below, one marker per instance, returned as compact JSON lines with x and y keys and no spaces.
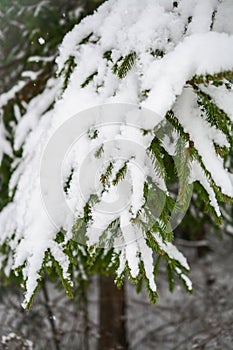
{"x":172,"y":58}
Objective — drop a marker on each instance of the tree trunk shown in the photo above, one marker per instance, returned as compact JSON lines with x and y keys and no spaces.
{"x":112,"y":316}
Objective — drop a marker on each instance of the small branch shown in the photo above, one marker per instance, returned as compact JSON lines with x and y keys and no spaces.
{"x":207,"y":79}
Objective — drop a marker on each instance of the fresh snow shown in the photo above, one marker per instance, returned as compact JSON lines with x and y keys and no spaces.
{"x":169,"y":52}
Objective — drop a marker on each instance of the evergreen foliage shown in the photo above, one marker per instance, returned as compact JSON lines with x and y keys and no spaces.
{"x":109,"y":74}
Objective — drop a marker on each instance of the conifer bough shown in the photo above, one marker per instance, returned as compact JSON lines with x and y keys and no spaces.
{"x":171,"y":58}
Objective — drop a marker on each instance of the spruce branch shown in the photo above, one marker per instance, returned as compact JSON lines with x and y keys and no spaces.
{"x":210,"y":79}
{"x":122,"y":69}
{"x":88,"y":79}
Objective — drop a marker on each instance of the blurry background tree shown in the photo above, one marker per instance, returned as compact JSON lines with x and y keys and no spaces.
{"x":30,"y":34}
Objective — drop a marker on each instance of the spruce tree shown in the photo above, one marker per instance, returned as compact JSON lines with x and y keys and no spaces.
{"x":157,"y":74}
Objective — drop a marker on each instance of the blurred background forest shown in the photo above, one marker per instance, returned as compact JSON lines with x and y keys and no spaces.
{"x":30,"y":33}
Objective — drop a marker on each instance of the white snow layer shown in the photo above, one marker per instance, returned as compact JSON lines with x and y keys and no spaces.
{"x":170,"y":49}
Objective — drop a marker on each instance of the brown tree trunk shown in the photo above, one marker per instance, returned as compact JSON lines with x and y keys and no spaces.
{"x":112,"y":316}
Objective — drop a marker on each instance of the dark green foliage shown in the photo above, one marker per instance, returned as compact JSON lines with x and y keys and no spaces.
{"x":93,"y":134}
{"x":183,"y":162}
{"x":99,"y":151}
{"x":86,"y":39}
{"x":156,"y":152}
{"x":5,"y":173}
{"x":108,"y":55}
{"x":170,"y":276}
{"x":104,"y":178}
{"x":68,"y":70}
{"x":88,"y":79}
{"x":68,"y":181}
{"x":120,"y":174}
{"x":218,"y":78}
{"x":157,"y":53}
{"x":215,"y":115}
{"x":193,"y":154}
{"x":124,"y":65}
{"x":112,"y":232}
